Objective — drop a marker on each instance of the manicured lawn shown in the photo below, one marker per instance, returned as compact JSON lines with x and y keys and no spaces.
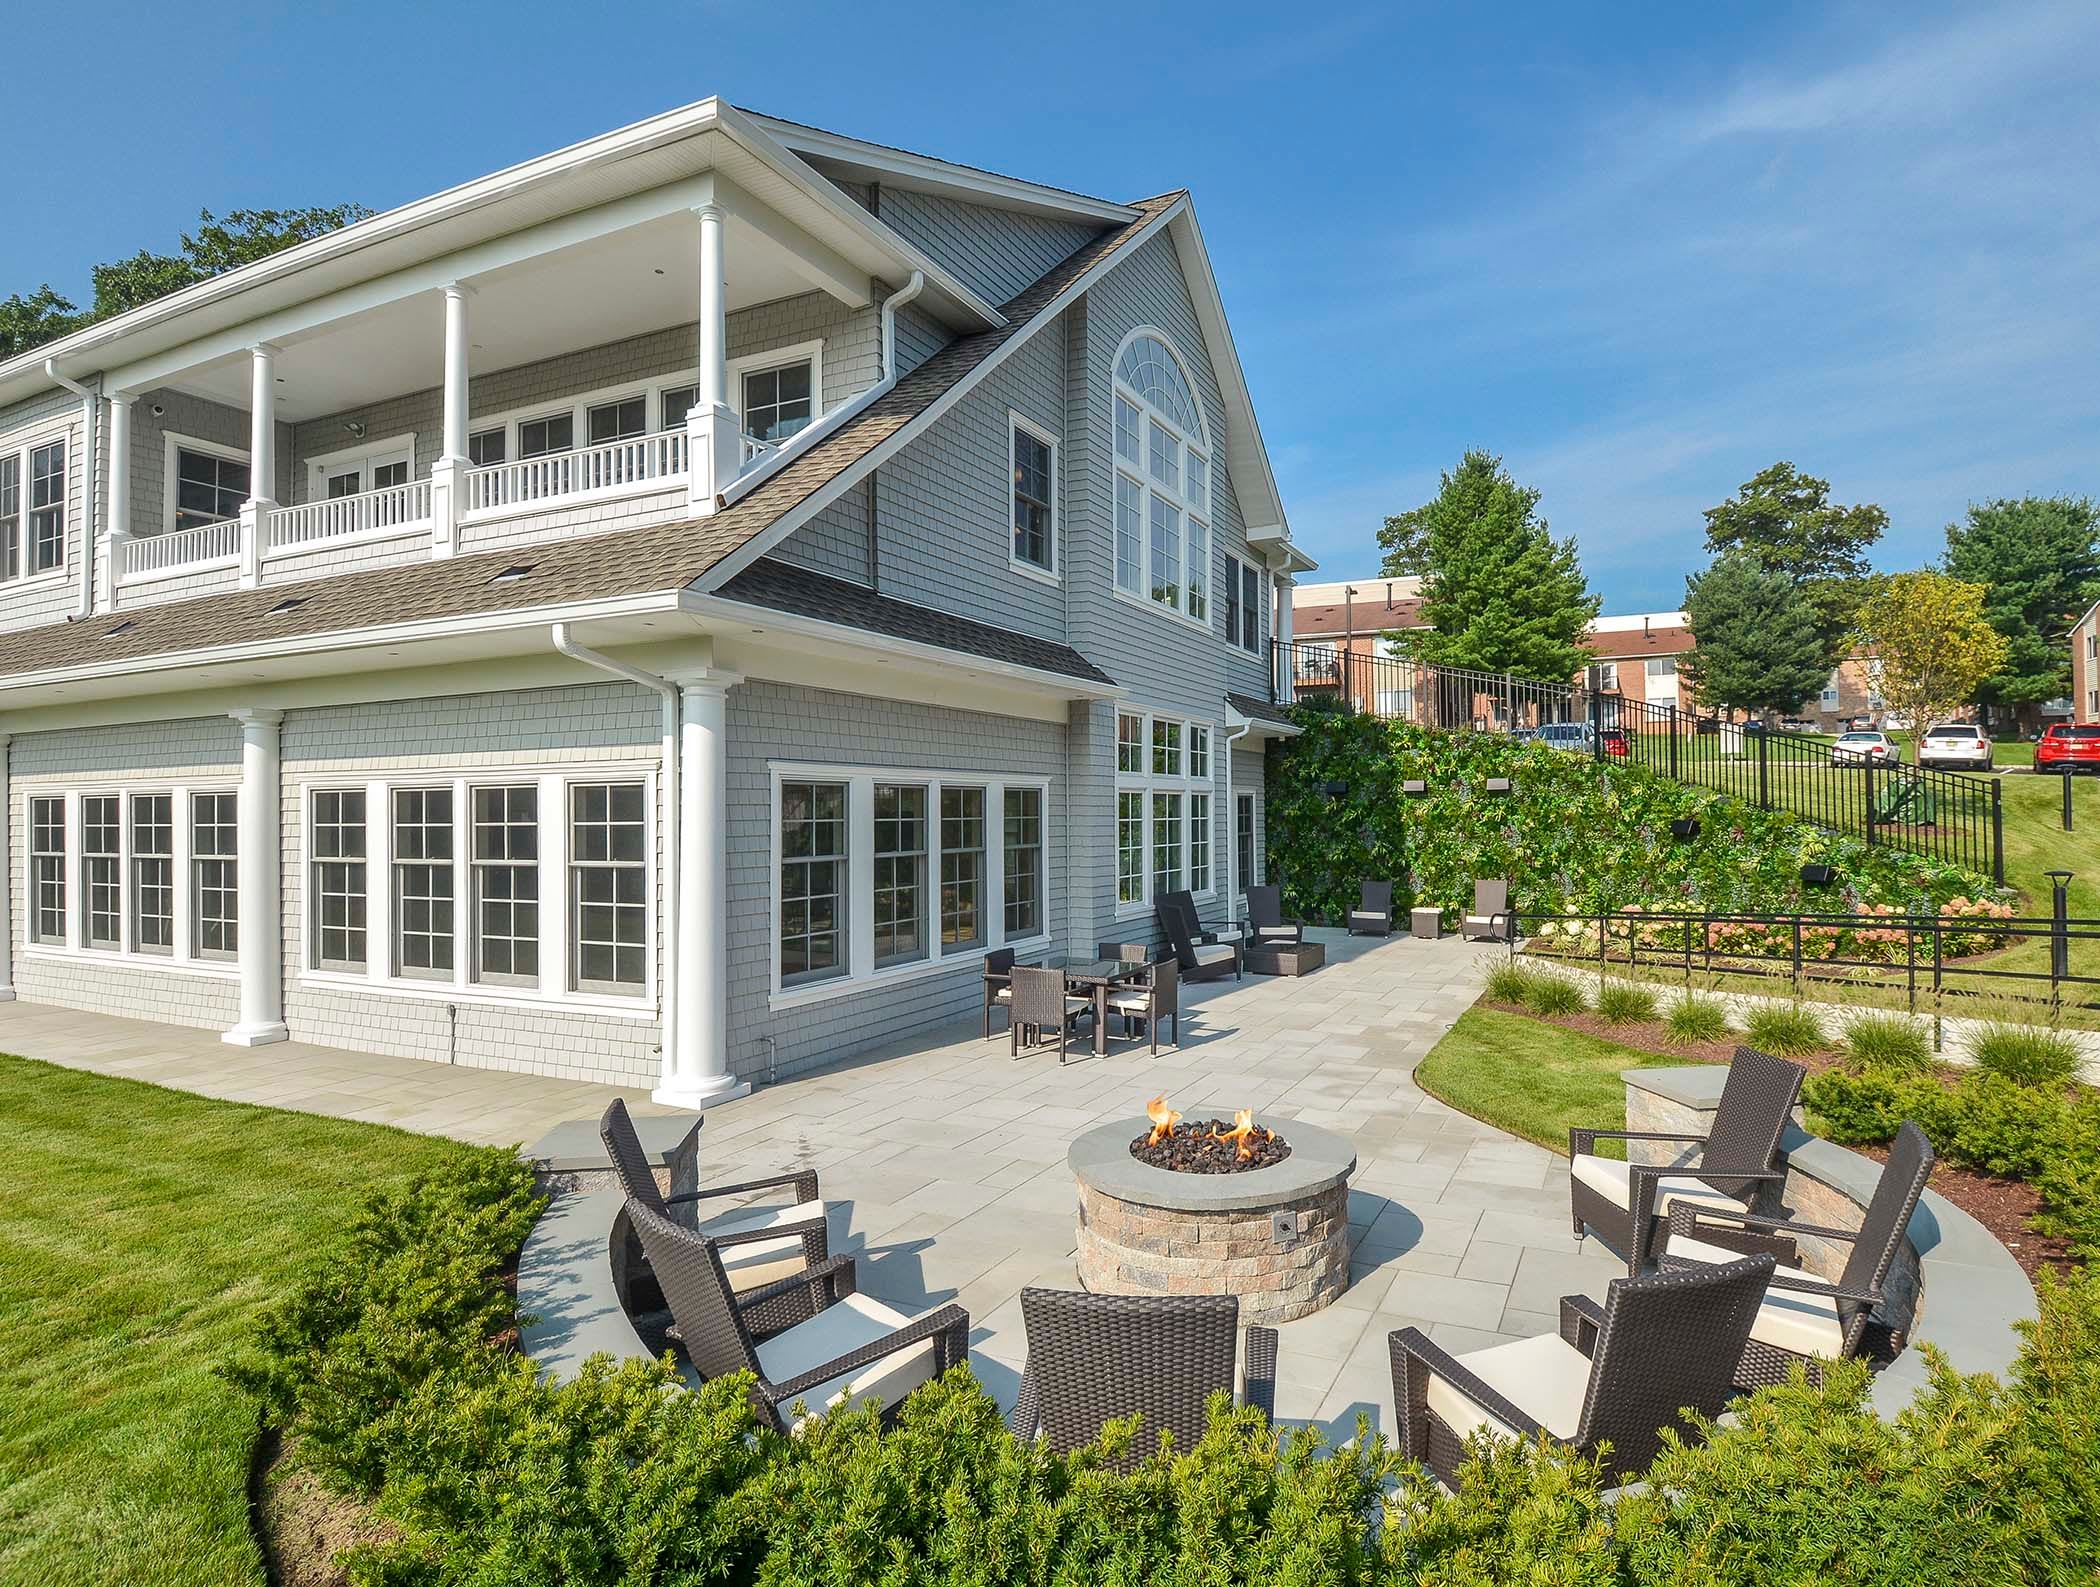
{"x":140,"y":1231}
{"x":1530,"y":1078}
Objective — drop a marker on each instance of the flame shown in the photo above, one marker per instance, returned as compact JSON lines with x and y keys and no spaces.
{"x":1242,"y":1133}
{"x":1163,"y":1119}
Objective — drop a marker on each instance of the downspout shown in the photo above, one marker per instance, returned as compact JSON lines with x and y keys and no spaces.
{"x":91,"y":422}
{"x":667,"y":798}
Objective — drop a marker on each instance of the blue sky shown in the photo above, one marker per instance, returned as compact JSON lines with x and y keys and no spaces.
{"x":1641,"y":251}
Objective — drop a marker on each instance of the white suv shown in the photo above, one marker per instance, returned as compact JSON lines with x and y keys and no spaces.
{"x":1961,"y":744}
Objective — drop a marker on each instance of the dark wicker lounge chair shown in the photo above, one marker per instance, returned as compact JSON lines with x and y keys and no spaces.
{"x":1615,"y":1374}
{"x":1093,"y":1357}
{"x":1804,"y":1318}
{"x":998,"y":983}
{"x":1490,"y":919}
{"x":1373,"y":914}
{"x":760,"y":1245}
{"x":1042,"y":1004}
{"x":1265,"y":922}
{"x":1201,"y":955}
{"x":1625,"y":1202}
{"x":1154,"y":999}
{"x":849,"y":1340}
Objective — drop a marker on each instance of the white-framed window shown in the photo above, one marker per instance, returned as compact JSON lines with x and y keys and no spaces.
{"x":1608,"y":676}
{"x":609,"y":886}
{"x":153,"y":873}
{"x":370,"y":465}
{"x":1243,"y":840}
{"x":886,"y":874}
{"x":1662,"y":666}
{"x":102,"y":869}
{"x":1829,"y":698}
{"x":1241,"y":598}
{"x":215,"y":863}
{"x":1032,"y":461}
{"x":337,"y":849}
{"x":422,"y":881}
{"x":32,"y":507}
{"x":1164,"y":809}
{"x":620,"y":419}
{"x":778,"y":399}
{"x":206,"y":482}
{"x":506,"y":867}
{"x":488,"y":447}
{"x":1162,"y":480}
{"x":47,"y":869}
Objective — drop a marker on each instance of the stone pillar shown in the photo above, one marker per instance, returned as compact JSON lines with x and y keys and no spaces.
{"x":262,"y":461}
{"x":696,"y":1065}
{"x":7,"y":893}
{"x":260,"y":930}
{"x":447,"y":474}
{"x":119,"y":497}
{"x":714,"y":440}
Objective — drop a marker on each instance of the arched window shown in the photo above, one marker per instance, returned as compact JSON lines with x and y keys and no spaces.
{"x":1162,"y":452}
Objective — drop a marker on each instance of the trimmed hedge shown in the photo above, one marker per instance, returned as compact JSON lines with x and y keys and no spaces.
{"x":393,"y":1372}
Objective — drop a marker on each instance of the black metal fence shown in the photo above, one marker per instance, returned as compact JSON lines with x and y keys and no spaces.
{"x":1951,"y":816}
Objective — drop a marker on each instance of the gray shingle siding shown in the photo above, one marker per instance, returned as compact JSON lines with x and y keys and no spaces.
{"x":994,"y":252}
{"x":836,"y":540}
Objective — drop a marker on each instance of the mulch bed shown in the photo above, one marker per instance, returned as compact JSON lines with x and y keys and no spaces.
{"x":1193,"y":1148}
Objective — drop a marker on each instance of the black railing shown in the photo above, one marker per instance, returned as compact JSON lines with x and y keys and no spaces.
{"x":1951,"y":816}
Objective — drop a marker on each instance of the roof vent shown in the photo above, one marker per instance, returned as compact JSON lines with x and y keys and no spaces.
{"x":290,"y":604}
{"x":513,"y":573}
{"x":124,"y":627}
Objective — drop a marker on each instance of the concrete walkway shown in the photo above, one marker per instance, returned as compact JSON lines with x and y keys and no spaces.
{"x":949,"y":1156}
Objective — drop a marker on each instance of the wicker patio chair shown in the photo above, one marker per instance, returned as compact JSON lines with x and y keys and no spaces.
{"x":1094,"y":1357}
{"x":1616,"y":1374}
{"x":1490,"y":919}
{"x":1201,"y":955}
{"x":1156,"y":998}
{"x":1373,"y":914}
{"x":850,"y":1346}
{"x":998,"y":985}
{"x":1265,"y":922}
{"x":1805,"y":1318}
{"x":1042,"y":1004}
{"x":1625,"y":1202}
{"x":760,"y":1245}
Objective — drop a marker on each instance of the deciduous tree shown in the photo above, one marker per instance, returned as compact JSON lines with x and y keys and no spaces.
{"x":1932,"y":644}
{"x":2038,"y":559}
{"x":1785,"y":521}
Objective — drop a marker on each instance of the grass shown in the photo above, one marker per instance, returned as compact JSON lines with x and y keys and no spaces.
{"x":1887,"y":1041}
{"x":2029,"y":1054}
{"x":1553,"y":993}
{"x":1691,"y":1018}
{"x":1625,"y":1003}
{"x":1532,"y":1079}
{"x":140,"y":1231}
{"x":1787,"y":1029}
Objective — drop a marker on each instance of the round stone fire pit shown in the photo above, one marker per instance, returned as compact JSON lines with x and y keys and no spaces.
{"x":1277,"y":1237}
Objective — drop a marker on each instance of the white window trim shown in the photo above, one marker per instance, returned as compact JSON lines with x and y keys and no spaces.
{"x":861,"y":974}
{"x":23,"y":443}
{"x":1149,"y":782}
{"x":772,"y":358}
{"x":460,"y":987}
{"x":1054,"y":573}
{"x":1140,"y":474}
{"x":183,"y":958}
{"x":172,"y":443}
{"x":367,"y":455}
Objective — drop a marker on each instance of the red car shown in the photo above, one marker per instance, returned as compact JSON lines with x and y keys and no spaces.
{"x":2066,"y":747}
{"x":1615,"y":742}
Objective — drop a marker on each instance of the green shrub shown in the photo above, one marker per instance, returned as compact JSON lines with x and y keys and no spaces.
{"x":1887,"y":1041}
{"x":1787,"y":1029}
{"x":1551,"y":993}
{"x":1508,"y":982}
{"x":1863,"y":1108}
{"x":1623,"y":1003}
{"x":1692,"y":1018}
{"x":2032,"y":1055}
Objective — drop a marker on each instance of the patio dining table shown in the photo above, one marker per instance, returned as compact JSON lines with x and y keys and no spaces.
{"x":1096,"y":978}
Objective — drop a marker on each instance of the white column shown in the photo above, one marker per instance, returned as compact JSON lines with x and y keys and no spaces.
{"x":119,"y":496}
{"x":260,"y":934}
{"x":7,"y":896}
{"x":447,"y":482}
{"x":1286,"y":685}
{"x":696,"y":1063}
{"x":262,"y":460}
{"x":714,"y":443}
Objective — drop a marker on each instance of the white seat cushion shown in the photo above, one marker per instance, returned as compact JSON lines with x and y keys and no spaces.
{"x":1368,"y":917}
{"x":1005,"y":994}
{"x":856,"y":1320}
{"x":761,"y":1262}
{"x":1610,"y":1177}
{"x":1276,"y":931}
{"x":1808,"y":1325}
{"x":1486,"y":922}
{"x":1545,"y":1376}
{"x":1134,"y":1002}
{"x":1214,"y":953}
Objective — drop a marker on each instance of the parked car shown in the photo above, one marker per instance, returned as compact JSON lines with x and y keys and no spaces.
{"x":1962,"y":744}
{"x":1797,"y":724}
{"x":1865,"y":748}
{"x":1859,"y":724}
{"x":2069,"y":746}
{"x":1616,"y":742}
{"x":1568,"y":735}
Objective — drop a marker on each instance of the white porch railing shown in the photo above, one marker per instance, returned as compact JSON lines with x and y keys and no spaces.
{"x":392,"y":507}
{"x":756,"y":451}
{"x":147,"y":555}
{"x":616,"y":465}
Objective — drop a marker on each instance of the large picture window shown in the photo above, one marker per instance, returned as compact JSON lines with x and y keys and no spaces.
{"x":1164,"y":810}
{"x":1162,"y":481}
{"x":132,"y":873}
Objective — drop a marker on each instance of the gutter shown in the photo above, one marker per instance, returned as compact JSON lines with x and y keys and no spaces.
{"x":91,"y":420}
{"x":667,"y":815}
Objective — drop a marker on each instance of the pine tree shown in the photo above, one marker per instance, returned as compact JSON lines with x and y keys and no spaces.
{"x":2039,"y":560}
{"x":1758,"y":645}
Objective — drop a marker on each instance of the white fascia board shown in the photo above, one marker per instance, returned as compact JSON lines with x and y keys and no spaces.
{"x":1257,"y":727}
{"x":924,"y":173}
{"x":824,"y":495}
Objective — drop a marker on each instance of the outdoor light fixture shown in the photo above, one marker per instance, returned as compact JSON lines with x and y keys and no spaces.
{"x":1819,"y":875}
{"x":354,"y":428}
{"x":1685,"y":827}
{"x":1415,"y":788}
{"x":1335,"y":790}
{"x":1498,"y":785}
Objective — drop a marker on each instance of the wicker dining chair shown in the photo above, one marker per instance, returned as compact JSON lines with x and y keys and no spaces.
{"x":1805,"y":1318}
{"x":998,"y":985}
{"x":760,"y":1245}
{"x":1265,"y":922}
{"x":849,"y":1347}
{"x":1738,"y":1165}
{"x":1615,"y":1374}
{"x":1156,"y":998}
{"x":1042,"y":1004}
{"x":1095,"y":1357}
{"x":1373,"y":914}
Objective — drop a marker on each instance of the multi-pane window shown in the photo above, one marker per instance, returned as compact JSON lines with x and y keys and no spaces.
{"x":339,"y":881}
{"x":541,"y":437}
{"x":423,"y":901}
{"x":488,"y":447}
{"x":1024,"y":862}
{"x":1164,"y":807}
{"x":677,"y":403}
{"x":1166,"y":748}
{"x":215,"y":873}
{"x":1166,"y":843}
{"x":962,"y":867}
{"x":210,"y":488}
{"x":1130,"y":743}
{"x":385,"y":476}
{"x":10,"y":515}
{"x":1199,"y":752}
{"x":1130,"y":848}
{"x":101,"y":869}
{"x":812,"y":881}
{"x":1243,"y":839}
{"x":1250,"y":608}
{"x":1162,"y":489}
{"x":1034,"y":480}
{"x":777,"y":401}
{"x":609,"y":886}
{"x":47,"y":507}
{"x":153,"y":872}
{"x":1199,"y":842}
{"x":507,"y":884}
{"x":900,"y":874}
{"x":616,"y":421}
{"x":47,"y":860}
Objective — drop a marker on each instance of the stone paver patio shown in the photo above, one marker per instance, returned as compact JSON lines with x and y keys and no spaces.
{"x":949,"y":1156}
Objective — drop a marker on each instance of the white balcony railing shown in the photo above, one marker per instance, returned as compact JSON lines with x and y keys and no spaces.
{"x":616,"y":465}
{"x":371,"y":511}
{"x":197,"y":546}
